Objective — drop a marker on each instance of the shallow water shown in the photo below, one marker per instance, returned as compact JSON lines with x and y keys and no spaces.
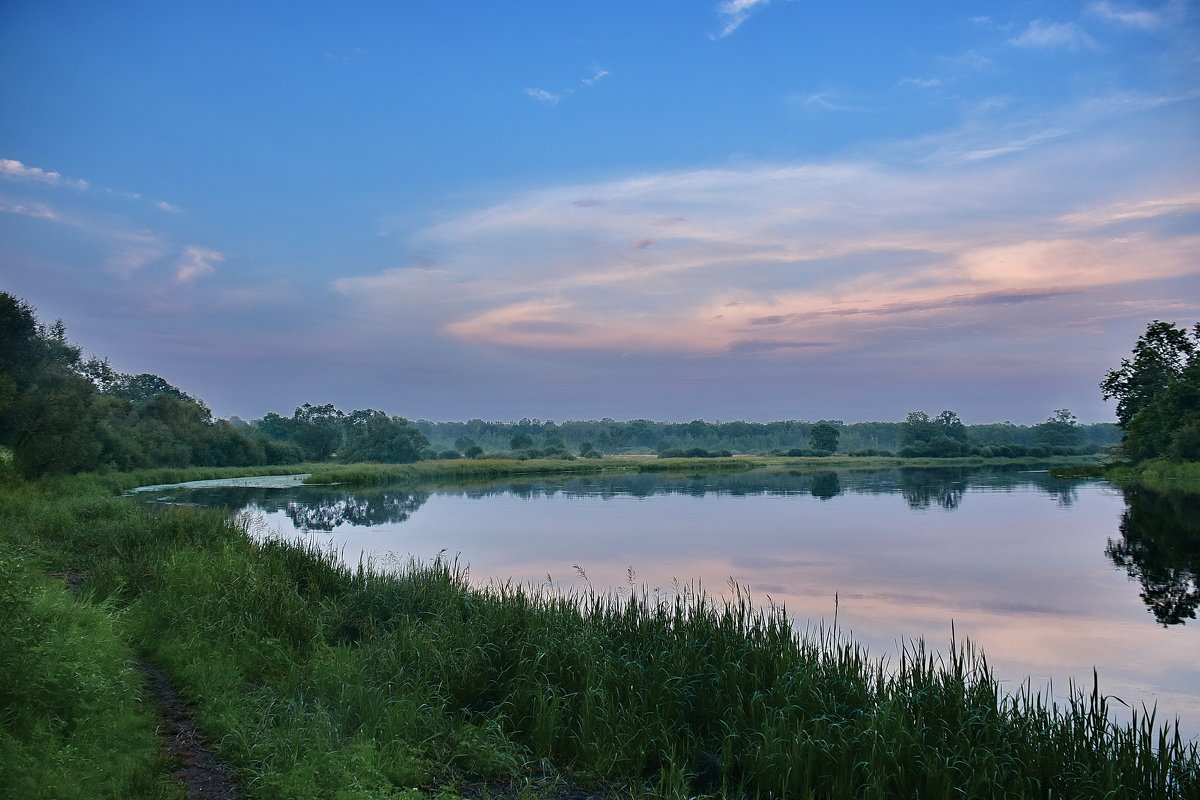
{"x":1049,"y":577}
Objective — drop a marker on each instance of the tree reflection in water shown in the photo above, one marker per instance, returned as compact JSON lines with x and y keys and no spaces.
{"x":924,"y":487}
{"x":326,"y":512}
{"x":1160,"y":548}
{"x":825,"y":485}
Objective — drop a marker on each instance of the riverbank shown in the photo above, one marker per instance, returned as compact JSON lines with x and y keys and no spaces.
{"x":1158,"y":475}
{"x":320,"y":680}
{"x":421,"y":472}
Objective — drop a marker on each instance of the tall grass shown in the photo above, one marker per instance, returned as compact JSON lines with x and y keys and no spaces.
{"x":322,"y":680}
{"x":72,"y":721}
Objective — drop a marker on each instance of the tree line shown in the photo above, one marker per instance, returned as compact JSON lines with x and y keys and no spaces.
{"x":61,"y":412}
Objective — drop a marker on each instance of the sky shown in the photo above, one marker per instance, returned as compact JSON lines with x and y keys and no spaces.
{"x":738,"y":209}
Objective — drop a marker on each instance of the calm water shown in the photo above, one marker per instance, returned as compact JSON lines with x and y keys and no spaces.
{"x":1049,"y":577}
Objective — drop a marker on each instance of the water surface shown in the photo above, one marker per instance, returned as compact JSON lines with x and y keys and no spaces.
{"x":1050,"y":577}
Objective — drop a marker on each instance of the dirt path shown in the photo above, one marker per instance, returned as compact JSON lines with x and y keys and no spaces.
{"x":203,"y":777}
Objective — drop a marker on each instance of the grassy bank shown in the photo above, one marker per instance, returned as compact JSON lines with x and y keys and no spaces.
{"x":427,"y":472}
{"x":323,"y":681}
{"x":1161,"y":476}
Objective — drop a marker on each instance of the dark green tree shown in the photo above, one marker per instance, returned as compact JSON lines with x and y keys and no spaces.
{"x":824,"y":436}
{"x":380,"y":437}
{"x":1060,"y":430}
{"x":1158,"y":393}
{"x":317,"y":430}
{"x":943,"y":436}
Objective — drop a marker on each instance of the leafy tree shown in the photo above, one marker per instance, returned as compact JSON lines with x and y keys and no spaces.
{"x":522,"y":441}
{"x":1159,"y":358}
{"x":380,"y":437}
{"x":824,"y":436}
{"x":1060,"y":430}
{"x":317,"y":430}
{"x":943,"y":436}
{"x":1158,"y":393}
{"x":45,"y":402}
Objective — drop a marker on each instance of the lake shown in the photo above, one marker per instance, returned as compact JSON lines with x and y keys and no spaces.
{"x":1049,"y":577}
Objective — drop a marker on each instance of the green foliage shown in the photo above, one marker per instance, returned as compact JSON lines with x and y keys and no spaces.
{"x":943,"y":436}
{"x":376,"y":436}
{"x":1158,"y":394}
{"x":59,"y":413}
{"x":72,"y":724}
{"x":824,"y":436}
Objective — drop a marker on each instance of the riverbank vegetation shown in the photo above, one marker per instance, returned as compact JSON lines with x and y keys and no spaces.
{"x":321,"y":680}
{"x":1158,"y":411}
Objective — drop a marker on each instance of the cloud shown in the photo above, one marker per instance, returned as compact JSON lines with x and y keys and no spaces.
{"x":820,"y":101}
{"x":1131,"y":16}
{"x":734,"y":12}
{"x":35,"y":210}
{"x":131,"y":250}
{"x":1040,"y":35}
{"x":543,"y":96}
{"x":13,"y":169}
{"x":196,"y":262}
{"x":552,"y":98}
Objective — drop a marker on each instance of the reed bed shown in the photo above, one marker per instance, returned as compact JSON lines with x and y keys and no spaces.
{"x":320,"y":679}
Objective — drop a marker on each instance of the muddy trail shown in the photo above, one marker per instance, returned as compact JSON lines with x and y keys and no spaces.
{"x":203,"y":777}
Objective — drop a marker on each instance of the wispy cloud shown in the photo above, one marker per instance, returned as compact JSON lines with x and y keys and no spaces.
{"x":542,"y":95}
{"x":921,"y":83}
{"x":35,"y":210}
{"x":196,"y":262}
{"x":773,"y":258}
{"x":13,"y":169}
{"x":1130,"y":15}
{"x":552,"y":98}
{"x":734,"y":12}
{"x":598,"y":75}
{"x":1041,"y":35}
{"x":821,"y":101}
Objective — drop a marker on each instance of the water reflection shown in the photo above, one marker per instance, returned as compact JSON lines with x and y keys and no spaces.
{"x":1160,"y":548}
{"x":825,"y":485}
{"x":921,"y":488}
{"x":326,"y":512}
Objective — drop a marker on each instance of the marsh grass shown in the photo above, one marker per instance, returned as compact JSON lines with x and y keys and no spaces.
{"x":320,"y":679}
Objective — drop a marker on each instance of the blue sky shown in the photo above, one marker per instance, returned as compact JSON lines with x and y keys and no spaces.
{"x":755,"y":209}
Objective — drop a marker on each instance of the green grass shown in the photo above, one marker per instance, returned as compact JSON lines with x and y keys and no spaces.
{"x":73,"y":723}
{"x":319,"y":680}
{"x":1159,"y":475}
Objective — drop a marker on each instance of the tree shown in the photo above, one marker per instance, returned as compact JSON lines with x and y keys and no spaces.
{"x":45,"y":401}
{"x":1159,"y":358}
{"x":824,"y":436}
{"x":1158,"y":393}
{"x":379,"y":437}
{"x":318,"y":430}
{"x":943,"y":436}
{"x":1060,"y":430}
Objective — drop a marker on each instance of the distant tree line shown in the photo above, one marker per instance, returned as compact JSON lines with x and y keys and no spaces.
{"x":918,"y":434}
{"x":60,"y":412}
